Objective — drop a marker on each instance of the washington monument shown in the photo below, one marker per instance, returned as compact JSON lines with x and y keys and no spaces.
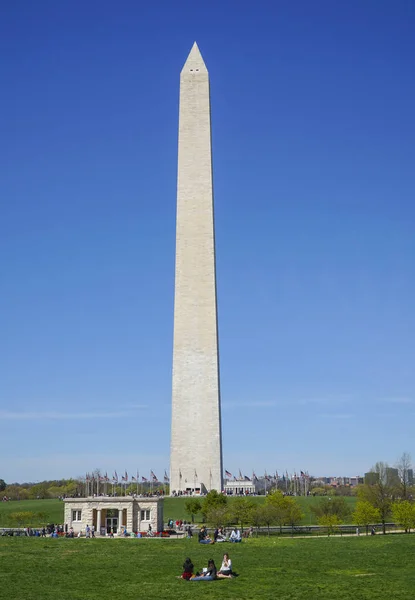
{"x":196,"y":439}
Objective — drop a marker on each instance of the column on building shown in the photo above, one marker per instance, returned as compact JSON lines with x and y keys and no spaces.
{"x":129,"y":521}
{"x":99,"y":521}
{"x":120,"y":520}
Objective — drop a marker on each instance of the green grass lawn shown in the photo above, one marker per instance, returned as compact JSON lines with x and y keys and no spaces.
{"x":173,"y":508}
{"x":52,"y":508}
{"x":317,"y":568}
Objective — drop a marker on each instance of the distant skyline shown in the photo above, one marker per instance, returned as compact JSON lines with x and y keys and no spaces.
{"x":313,"y":151}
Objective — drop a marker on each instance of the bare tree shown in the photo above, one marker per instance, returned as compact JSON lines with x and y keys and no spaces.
{"x":404,"y":466}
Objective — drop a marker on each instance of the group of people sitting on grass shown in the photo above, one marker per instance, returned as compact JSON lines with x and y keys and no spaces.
{"x":219,"y":536}
{"x":210,"y":573}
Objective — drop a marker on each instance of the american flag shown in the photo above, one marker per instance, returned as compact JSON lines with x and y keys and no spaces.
{"x":166,"y":477}
{"x":153,"y":476}
{"x":254,"y":477}
{"x":144,"y":479}
{"x":133,"y":478}
{"x":116,"y":476}
{"x":228,"y":474}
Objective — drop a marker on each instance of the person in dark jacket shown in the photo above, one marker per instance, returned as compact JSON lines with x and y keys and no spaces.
{"x":209,"y":574}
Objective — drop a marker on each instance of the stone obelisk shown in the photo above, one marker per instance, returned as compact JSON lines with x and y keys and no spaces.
{"x":196,"y":440}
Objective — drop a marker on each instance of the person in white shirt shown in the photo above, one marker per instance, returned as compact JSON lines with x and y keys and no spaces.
{"x":225,"y":570}
{"x":235,"y":536}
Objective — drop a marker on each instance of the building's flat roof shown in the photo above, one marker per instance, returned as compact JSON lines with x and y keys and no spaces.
{"x":111,"y":499}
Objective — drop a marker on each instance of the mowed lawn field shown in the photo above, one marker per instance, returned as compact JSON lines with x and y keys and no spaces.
{"x":173,"y":509}
{"x":375,"y":567}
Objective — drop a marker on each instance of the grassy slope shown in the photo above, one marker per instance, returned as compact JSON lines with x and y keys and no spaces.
{"x":173,"y":508}
{"x":52,"y":508}
{"x":363,"y":568}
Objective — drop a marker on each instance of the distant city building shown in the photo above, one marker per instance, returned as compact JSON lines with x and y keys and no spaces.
{"x":371,"y":478}
{"x":392,"y":476}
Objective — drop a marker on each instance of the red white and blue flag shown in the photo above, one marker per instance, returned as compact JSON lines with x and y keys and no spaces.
{"x":229,"y":475}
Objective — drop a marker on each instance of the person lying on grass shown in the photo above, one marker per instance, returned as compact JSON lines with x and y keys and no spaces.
{"x":209,"y":575}
{"x":225,"y":570}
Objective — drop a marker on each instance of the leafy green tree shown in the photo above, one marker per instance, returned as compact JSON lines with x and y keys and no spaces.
{"x":403,"y":512}
{"x":22,"y":518}
{"x":241,"y":510}
{"x":42,"y":517}
{"x":40,"y":490}
{"x":280,"y":505}
{"x":213,"y":500}
{"x":2,"y":485}
{"x":294,"y":514}
{"x":192,"y":507}
{"x":267,"y":515}
{"x":365,"y":514}
{"x":257,"y":520}
{"x":16,"y":492}
{"x":218,"y":517}
{"x":330,"y":521}
{"x":380,"y":496}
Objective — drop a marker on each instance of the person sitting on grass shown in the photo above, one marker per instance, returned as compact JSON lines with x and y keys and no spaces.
{"x":203,"y":536}
{"x":225,"y":570}
{"x":235,"y":535}
{"x":187,"y":570}
{"x":209,"y":575}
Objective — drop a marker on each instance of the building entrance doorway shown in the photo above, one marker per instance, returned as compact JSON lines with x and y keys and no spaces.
{"x":111,"y":521}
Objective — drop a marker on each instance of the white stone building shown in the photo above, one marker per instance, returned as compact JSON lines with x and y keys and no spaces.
{"x":239,"y":487}
{"x":114,"y":514}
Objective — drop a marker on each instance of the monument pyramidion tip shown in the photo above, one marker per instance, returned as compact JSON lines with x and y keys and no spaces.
{"x":194,"y":62}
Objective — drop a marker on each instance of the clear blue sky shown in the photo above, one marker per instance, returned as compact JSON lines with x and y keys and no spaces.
{"x":313,"y":142}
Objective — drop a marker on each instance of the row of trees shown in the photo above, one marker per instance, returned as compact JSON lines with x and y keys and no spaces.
{"x":219,"y":512}
{"x":381,"y":500}
{"x":69,"y":488}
